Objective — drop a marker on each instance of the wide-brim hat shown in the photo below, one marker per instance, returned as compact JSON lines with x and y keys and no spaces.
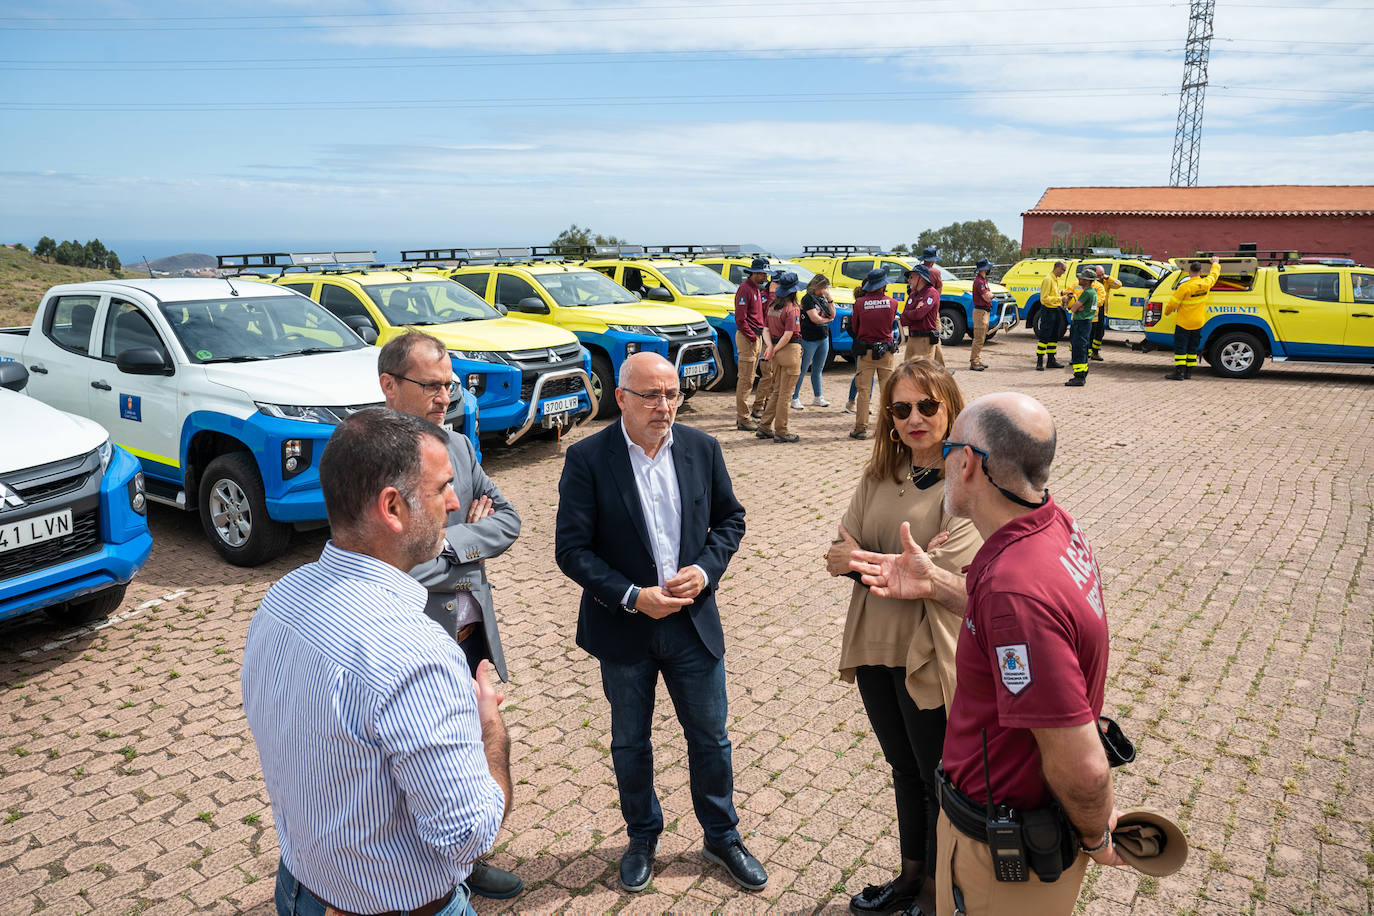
{"x":1149,"y":842}
{"x":930,"y":254}
{"x":787,"y":285}
{"x":921,"y":271}
{"x":760,"y":266}
{"x":876,"y":279}
{"x":983,"y":264}
{"x":1087,"y":273}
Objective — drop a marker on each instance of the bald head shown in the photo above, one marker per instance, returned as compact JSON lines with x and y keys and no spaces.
{"x":1018,"y":434}
{"x":641,"y":366}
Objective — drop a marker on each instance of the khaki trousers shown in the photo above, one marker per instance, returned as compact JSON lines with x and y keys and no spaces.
{"x":918,"y":344}
{"x":967,"y":864}
{"x":747,"y":356}
{"x":781,"y":379}
{"x":868,"y":367}
{"x":980,"y":336}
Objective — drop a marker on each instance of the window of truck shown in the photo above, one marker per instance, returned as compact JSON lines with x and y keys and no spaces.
{"x":476,"y":282}
{"x":1133,"y":277}
{"x":856,"y":269}
{"x":68,"y":323}
{"x":341,"y":301}
{"x":1323,"y":287}
{"x":433,"y":302}
{"x":576,"y":288}
{"x":127,"y":327}
{"x":510,"y":289}
{"x":240,"y":330}
{"x":695,"y":280}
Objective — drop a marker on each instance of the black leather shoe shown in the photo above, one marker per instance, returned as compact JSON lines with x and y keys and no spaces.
{"x":881,"y":898}
{"x":743,"y":868}
{"x":494,"y":883}
{"x":637,"y":865}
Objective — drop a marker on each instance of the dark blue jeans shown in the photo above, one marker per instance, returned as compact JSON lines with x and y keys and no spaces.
{"x":696,"y":683}
{"x":294,"y":899}
{"x":814,"y":353}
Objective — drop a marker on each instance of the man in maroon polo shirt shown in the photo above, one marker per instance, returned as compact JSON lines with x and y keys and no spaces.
{"x":1031,"y":663}
{"x":875,"y":351}
{"x":748,"y":332}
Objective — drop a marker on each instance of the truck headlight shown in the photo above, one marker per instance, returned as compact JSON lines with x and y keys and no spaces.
{"x":483,"y":356}
{"x":634,"y":329}
{"x":138,"y":495}
{"x":308,"y":414}
{"x":106,"y":453}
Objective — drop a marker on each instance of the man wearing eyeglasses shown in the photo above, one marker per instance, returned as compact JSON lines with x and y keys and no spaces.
{"x":417,"y":378}
{"x":1031,"y":668}
{"x":647,"y":523}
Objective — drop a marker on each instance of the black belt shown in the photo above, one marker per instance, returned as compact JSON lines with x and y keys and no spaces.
{"x":968,"y":818}
{"x":1051,"y":842}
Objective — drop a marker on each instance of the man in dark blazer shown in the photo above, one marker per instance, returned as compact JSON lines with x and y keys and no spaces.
{"x":647,"y":523}
{"x":416,"y":378}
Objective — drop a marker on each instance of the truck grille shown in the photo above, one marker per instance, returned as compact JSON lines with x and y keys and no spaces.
{"x":52,"y":480}
{"x":534,"y":363}
{"x":696,"y":338}
{"x":85,"y":538}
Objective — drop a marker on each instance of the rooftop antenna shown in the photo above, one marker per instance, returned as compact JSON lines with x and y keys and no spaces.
{"x":148,"y":267}
{"x":1188,"y":133}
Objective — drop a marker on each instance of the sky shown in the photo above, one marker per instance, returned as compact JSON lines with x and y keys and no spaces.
{"x":165,"y":127}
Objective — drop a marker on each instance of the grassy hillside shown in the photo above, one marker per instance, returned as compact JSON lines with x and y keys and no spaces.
{"x":24,"y":279}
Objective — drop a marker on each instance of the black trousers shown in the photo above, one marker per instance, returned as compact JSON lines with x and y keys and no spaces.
{"x":912,"y":740}
{"x":1051,"y":329}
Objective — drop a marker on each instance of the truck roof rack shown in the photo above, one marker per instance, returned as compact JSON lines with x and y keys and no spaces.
{"x":1280,"y":257}
{"x":840,"y":250}
{"x":283,"y":261}
{"x":691,"y":252}
{"x":1048,"y":251}
{"x":538,"y":254}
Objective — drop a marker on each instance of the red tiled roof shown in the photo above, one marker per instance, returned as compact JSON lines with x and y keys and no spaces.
{"x":1222,"y":201}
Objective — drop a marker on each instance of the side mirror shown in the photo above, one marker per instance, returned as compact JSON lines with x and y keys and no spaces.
{"x":358,"y":322}
{"x":658,"y":294}
{"x":142,"y":361}
{"x":368,"y":334}
{"x":501,"y":308}
{"x":533,"y":305}
{"x":13,"y":375}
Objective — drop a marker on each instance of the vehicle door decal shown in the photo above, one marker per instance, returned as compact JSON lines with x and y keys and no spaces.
{"x":131,"y":407}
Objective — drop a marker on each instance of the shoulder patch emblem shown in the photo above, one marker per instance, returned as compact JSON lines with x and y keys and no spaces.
{"x":1013,"y":664}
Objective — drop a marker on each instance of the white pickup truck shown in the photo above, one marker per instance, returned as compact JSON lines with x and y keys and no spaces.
{"x":225,"y":391}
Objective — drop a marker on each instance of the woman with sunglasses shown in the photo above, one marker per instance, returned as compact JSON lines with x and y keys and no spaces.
{"x":901,"y":652}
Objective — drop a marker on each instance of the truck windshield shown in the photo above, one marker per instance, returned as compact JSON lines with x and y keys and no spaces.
{"x":429,"y":302}
{"x":695,"y":280}
{"x":803,"y":275}
{"x":255,"y":327}
{"x":584,"y":287}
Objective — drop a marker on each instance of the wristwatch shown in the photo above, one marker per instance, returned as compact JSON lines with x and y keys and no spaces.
{"x":634,"y":597}
{"x":1093,"y":850}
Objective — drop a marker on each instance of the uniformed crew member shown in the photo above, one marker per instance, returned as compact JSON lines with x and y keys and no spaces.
{"x":1082,"y":314}
{"x":921,"y":317}
{"x":928,"y":258}
{"x":1050,"y":323}
{"x":1190,"y":301}
{"x":748,"y":332}
{"x":1031,"y":670}
{"x":982,"y":311}
{"x":1105,"y":284}
{"x":416,"y":378}
{"x":876,"y":352}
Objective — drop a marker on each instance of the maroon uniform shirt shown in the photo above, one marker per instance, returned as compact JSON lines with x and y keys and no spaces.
{"x":871,"y":321}
{"x":780,"y":321}
{"x":922,"y":311}
{"x":1033,"y":654}
{"x":749,"y":310}
{"x":980,"y":293}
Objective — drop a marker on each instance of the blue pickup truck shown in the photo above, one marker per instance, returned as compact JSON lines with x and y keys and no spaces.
{"x":73,"y":526}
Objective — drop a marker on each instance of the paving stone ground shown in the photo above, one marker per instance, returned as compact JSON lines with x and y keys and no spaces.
{"x":1232,"y":521}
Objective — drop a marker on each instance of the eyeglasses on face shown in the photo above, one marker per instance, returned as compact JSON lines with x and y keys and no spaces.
{"x":949,"y":445}
{"x":432,"y":389}
{"x":653,"y":398}
{"x":928,"y":407}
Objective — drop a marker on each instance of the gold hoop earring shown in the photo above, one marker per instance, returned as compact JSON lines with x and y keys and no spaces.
{"x":892,"y":434}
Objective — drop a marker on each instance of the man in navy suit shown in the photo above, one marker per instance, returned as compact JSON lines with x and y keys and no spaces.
{"x":647,"y":523}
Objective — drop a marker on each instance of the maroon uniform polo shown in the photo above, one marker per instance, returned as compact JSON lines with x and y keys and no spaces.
{"x":871,"y":320}
{"x":1033,"y":654}
{"x":980,"y":293}
{"x":780,"y":321}
{"x":922,"y":311}
{"x":749,"y":310}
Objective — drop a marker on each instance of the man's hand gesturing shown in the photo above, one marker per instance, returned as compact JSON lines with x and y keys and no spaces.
{"x":909,"y":574}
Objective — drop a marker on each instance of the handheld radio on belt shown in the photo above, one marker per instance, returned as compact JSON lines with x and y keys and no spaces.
{"x":1005,"y":839}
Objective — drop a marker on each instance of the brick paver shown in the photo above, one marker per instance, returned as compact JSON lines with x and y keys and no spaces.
{"x":1232,"y":521}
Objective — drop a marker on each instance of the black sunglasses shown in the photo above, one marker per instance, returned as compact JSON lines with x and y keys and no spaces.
{"x":928,"y":407}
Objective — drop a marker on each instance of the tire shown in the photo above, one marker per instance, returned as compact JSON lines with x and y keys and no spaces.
{"x":603,"y":386}
{"x":1236,"y":354}
{"x":1035,"y":325}
{"x":88,"y":610}
{"x":233,"y":512}
{"x":953,"y":326}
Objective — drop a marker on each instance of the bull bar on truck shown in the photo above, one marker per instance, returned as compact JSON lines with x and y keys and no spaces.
{"x":547,"y":422}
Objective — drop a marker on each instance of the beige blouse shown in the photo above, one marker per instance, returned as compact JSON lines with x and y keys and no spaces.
{"x":918,"y":635}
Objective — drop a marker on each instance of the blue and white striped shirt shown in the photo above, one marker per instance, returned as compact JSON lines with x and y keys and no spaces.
{"x":366,"y":723}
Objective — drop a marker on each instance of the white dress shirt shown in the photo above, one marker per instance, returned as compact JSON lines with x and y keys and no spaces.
{"x":661,"y":501}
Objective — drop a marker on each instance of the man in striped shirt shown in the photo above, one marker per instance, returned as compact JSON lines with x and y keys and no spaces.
{"x":386,"y":761}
